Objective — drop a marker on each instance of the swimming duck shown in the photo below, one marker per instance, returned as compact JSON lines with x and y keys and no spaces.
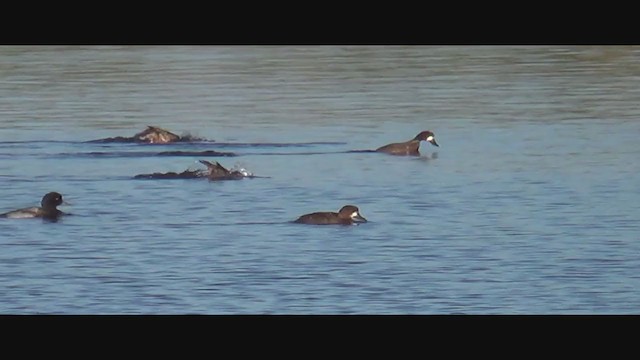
{"x":214,"y":171}
{"x":187,"y":174}
{"x":348,"y":215}
{"x":150,"y":135}
{"x":48,"y":210}
{"x":156,"y":135}
{"x":410,"y":147}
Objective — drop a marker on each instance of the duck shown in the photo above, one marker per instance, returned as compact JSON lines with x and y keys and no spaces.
{"x":187,"y":174}
{"x":150,"y":135}
{"x":48,"y":210}
{"x":215,"y":171}
{"x":156,"y":135}
{"x":410,"y":147}
{"x":347,"y":215}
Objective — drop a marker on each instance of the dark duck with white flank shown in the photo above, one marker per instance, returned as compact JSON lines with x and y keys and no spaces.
{"x":48,"y":210}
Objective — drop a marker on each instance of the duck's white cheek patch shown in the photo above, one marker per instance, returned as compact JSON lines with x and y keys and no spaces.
{"x":430,"y":138}
{"x":354,"y":215}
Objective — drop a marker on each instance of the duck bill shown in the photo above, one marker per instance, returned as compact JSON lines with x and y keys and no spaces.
{"x":434,"y":143}
{"x":359,"y":218}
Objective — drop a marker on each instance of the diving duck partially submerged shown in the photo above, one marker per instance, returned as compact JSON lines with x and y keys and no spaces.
{"x":151,"y":135}
{"x":214,"y":171}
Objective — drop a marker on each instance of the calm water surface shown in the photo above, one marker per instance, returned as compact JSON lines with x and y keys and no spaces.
{"x":530,"y":205}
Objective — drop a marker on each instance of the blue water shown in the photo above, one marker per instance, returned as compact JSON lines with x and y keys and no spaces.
{"x":530,"y":205}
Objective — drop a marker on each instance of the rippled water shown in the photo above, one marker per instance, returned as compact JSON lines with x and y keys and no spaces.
{"x":529,"y":206}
